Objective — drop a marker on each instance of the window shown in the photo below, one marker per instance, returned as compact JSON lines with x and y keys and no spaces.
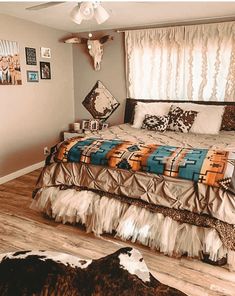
{"x":182,"y":63}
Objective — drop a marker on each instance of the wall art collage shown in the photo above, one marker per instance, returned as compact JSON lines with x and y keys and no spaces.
{"x":10,"y":64}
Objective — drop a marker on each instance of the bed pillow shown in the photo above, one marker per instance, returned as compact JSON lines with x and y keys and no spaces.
{"x":156,"y":123}
{"x":228,"y":121}
{"x":181,"y":120}
{"x":141,"y":109}
{"x":208,"y":120}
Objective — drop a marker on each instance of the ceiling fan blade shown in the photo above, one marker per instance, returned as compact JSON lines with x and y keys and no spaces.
{"x":44,"y":5}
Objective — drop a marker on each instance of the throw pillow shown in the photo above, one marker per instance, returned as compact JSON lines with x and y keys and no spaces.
{"x":141,"y":109}
{"x":155,"y":123}
{"x":208,"y":120}
{"x":181,"y":120}
{"x":228,"y":121}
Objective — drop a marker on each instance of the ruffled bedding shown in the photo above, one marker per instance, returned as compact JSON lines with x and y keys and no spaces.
{"x":171,"y":215}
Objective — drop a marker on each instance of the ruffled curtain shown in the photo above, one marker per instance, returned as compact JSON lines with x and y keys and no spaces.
{"x":182,"y":63}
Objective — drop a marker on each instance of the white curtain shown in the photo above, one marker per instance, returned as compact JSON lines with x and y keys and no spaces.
{"x":182,"y":63}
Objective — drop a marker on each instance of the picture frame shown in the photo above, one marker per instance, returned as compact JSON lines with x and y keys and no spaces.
{"x":30,"y":56}
{"x":85,"y":124}
{"x":32,"y":76}
{"x":45,"y":70}
{"x":94,"y":124}
{"x":45,"y":52}
{"x":10,"y":68}
{"x":105,"y":125}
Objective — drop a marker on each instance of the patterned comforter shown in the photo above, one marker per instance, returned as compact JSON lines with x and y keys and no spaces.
{"x":208,"y":166}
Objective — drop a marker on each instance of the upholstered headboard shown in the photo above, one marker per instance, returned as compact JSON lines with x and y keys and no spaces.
{"x":130,"y":106}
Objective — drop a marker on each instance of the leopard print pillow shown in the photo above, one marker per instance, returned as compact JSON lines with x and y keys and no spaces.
{"x":228,"y":121}
{"x":181,"y":120}
{"x":156,"y":123}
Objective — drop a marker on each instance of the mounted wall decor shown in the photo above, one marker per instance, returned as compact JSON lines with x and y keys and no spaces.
{"x":30,"y":55}
{"x":32,"y":76}
{"x":10,"y":71}
{"x":100,"y":102}
{"x":95,"y":46}
{"x":45,"y":70}
{"x":45,"y":52}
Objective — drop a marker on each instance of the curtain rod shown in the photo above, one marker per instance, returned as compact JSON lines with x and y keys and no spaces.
{"x":178,"y":24}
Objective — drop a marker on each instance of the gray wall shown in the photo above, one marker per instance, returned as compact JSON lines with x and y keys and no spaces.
{"x":112,"y":74}
{"x":33,"y":115}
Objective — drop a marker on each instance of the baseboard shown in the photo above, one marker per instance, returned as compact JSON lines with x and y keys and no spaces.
{"x":21,"y":172}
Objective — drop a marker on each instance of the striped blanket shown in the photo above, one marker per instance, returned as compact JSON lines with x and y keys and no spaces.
{"x":208,"y":166}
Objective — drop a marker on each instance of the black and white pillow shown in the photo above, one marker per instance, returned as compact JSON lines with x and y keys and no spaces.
{"x":155,"y":123}
{"x":181,"y":120}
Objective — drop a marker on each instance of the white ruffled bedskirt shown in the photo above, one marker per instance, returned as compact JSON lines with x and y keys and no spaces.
{"x":105,"y":215}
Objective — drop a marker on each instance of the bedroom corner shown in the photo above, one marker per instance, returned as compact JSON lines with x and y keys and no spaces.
{"x":33,"y":114}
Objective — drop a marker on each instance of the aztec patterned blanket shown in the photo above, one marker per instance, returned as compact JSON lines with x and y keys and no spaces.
{"x":208,"y":166}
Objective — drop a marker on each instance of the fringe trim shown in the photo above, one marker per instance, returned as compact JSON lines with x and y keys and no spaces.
{"x":105,"y":215}
{"x":231,"y":260}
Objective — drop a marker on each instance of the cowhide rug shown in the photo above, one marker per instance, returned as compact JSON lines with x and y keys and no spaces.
{"x":47,"y":273}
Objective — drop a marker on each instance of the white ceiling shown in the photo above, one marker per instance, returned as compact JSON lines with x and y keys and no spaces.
{"x":123,"y":13}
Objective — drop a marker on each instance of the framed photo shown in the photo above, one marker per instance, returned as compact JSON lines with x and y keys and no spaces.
{"x":32,"y":76}
{"x":45,"y":70}
{"x":105,"y":125}
{"x":30,"y":55}
{"x":45,"y":52}
{"x":10,"y":68}
{"x":85,"y":125}
{"x":94,"y":124}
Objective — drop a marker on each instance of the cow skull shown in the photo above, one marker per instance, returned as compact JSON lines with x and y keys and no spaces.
{"x":95,"y":47}
{"x":96,"y":52}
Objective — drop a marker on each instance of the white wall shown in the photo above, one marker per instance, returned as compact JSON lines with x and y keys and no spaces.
{"x":32,"y":115}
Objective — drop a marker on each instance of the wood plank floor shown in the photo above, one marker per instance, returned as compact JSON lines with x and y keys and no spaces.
{"x":22,"y":229}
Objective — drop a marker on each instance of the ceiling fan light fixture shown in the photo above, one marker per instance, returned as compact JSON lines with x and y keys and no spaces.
{"x":101,"y":15}
{"x":76,"y":15}
{"x":87,"y":10}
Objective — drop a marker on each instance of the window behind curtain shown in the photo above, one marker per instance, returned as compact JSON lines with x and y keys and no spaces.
{"x":182,"y":63}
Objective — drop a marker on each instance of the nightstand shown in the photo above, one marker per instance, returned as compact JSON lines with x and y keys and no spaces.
{"x":69,"y":135}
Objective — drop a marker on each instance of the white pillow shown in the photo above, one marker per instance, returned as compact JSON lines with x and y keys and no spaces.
{"x":141,"y":109}
{"x":208,"y":119}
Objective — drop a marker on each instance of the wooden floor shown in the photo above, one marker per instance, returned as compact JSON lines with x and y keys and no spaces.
{"x":22,"y":229}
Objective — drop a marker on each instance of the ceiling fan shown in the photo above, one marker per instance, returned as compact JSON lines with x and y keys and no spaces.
{"x":82,"y":11}
{"x":44,"y":5}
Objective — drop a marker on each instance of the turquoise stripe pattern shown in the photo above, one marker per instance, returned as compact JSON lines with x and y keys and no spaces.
{"x":190,"y":167}
{"x":74,"y":154}
{"x":99,"y":157}
{"x":156,"y":161}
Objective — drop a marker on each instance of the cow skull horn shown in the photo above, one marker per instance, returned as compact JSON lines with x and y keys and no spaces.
{"x":74,"y":39}
{"x":105,"y":39}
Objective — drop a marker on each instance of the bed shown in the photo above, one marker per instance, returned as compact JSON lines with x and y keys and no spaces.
{"x":174,"y":216}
